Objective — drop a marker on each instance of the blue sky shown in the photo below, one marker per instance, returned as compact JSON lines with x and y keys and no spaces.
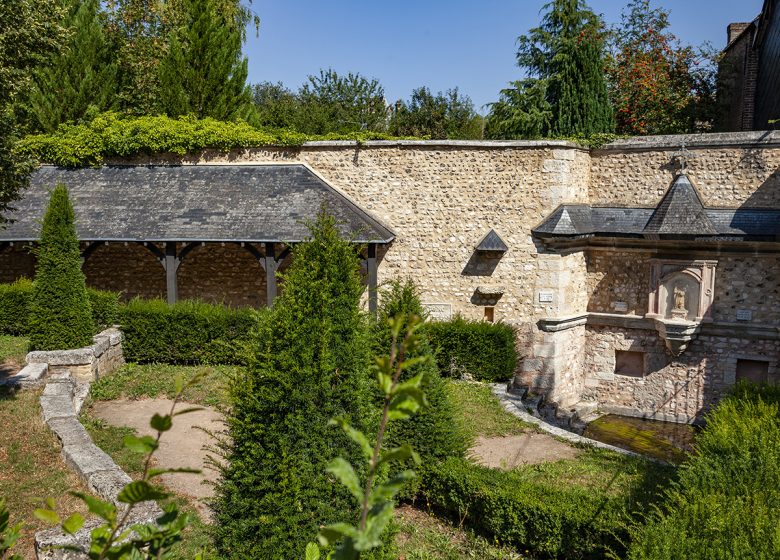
{"x":441,"y":44}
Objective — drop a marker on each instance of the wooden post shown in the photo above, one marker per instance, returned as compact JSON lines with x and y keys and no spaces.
{"x":171,"y":267}
{"x":270,"y":273}
{"x":372,"y":279}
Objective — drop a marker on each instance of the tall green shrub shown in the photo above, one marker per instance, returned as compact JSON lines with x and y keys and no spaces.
{"x":60,"y":311}
{"x":726,"y":503}
{"x":311,"y":365}
{"x":14,"y":307}
{"x":432,"y":432}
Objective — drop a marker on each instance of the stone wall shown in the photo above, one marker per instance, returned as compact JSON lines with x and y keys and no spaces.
{"x":675,"y":389}
{"x":616,"y":277}
{"x":747,"y":282}
{"x":130,"y":269}
{"x":87,"y":364}
{"x":16,"y":262}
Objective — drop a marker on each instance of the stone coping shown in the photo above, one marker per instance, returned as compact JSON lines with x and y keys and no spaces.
{"x":704,"y":140}
{"x":444,"y":144}
{"x":78,"y":356}
{"x":29,"y":376}
{"x":514,"y":405}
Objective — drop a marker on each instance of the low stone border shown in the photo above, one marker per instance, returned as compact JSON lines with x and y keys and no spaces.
{"x":514,"y":406}
{"x":85,"y":364}
{"x":61,"y":403}
{"x":29,"y":376}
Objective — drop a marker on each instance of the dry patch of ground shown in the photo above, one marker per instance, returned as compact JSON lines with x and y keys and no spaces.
{"x":530,"y":448}
{"x":185,"y":445}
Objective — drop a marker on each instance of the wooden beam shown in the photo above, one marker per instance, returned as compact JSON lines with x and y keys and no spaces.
{"x":171,"y":266}
{"x":270,"y":273}
{"x":372,"y":278}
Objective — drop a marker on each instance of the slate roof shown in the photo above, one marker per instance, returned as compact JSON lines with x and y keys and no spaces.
{"x":252,"y":203}
{"x":679,"y":215}
{"x":492,"y":242}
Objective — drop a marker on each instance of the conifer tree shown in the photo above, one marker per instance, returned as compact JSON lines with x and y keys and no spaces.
{"x":60,"y":312}
{"x":204,"y":73}
{"x":312,"y":364}
{"x":81,"y":77}
{"x":564,"y":58}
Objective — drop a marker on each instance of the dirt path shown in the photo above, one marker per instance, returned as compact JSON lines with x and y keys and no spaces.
{"x":529,"y":448}
{"x":183,"y":446}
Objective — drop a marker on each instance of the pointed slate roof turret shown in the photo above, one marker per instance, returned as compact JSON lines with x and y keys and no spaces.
{"x":680,"y":212}
{"x":492,"y":242}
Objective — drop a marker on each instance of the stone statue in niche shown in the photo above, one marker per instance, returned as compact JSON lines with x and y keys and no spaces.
{"x":679,"y":298}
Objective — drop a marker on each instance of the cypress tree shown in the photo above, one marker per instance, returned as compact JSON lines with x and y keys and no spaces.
{"x":60,"y":312}
{"x":564,"y":58}
{"x":312,"y":364}
{"x":81,"y":78}
{"x":204,"y":73}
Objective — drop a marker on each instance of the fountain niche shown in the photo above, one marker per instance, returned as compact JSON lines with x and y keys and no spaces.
{"x":681,"y":293}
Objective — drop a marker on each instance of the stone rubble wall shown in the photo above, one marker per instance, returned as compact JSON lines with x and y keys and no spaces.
{"x":85,"y":364}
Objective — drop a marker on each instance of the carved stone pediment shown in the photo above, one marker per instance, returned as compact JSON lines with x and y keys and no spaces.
{"x":681,"y":294}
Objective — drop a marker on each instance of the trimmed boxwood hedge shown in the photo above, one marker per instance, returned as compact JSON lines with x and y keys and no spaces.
{"x":486,"y":351}
{"x":15,"y":310}
{"x":552,"y":522}
{"x":188,"y":332}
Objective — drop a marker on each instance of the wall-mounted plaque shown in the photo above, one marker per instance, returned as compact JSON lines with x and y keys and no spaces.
{"x":744,"y":315}
{"x":438,"y":311}
{"x":620,"y":306}
{"x":545,"y":297}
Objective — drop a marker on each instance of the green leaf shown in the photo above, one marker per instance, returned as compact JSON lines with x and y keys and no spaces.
{"x":140,"y":491}
{"x":188,"y":410}
{"x":312,"y":551}
{"x":154,"y":473}
{"x":402,"y":407}
{"x":355,"y":435}
{"x":179,"y":384}
{"x":161,"y":423}
{"x":386,"y":491}
{"x":342,"y":470}
{"x":330,"y":534}
{"x":376,"y":522}
{"x":47,"y":516}
{"x":410,"y":385}
{"x":73,"y":523}
{"x":144,"y":444}
{"x":399,"y":454}
{"x":101,"y":508}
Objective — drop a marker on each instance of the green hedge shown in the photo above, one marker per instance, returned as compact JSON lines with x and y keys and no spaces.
{"x":187,"y":332}
{"x":15,"y":301}
{"x":726,"y":503}
{"x":486,"y":351}
{"x":551,"y":522}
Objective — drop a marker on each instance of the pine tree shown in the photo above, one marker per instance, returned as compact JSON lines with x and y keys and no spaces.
{"x":60,"y":312}
{"x":564,"y":58}
{"x":204,"y":72}
{"x":81,"y":78}
{"x":312,"y":364}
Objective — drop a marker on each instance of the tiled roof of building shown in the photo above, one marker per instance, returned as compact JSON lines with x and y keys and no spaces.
{"x":492,"y":242}
{"x":679,"y":215}
{"x":192,"y":203}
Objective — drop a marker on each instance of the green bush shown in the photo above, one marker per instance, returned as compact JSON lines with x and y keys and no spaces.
{"x":552,"y":522}
{"x":486,"y":351}
{"x":726,"y":503}
{"x":105,"y":308}
{"x":432,"y":432}
{"x":311,"y":365}
{"x":14,"y":307}
{"x":60,"y":312}
{"x":188,"y":332}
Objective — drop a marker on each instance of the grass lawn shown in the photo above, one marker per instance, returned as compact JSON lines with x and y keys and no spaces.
{"x":32,"y":468}
{"x":13,"y":349}
{"x":479,"y":413}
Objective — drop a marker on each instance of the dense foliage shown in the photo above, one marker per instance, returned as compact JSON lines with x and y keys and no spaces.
{"x":312,"y":352}
{"x":432,"y":432}
{"x":29,"y":31}
{"x":440,"y":116}
{"x":60,"y":311}
{"x":726,"y":503}
{"x":188,"y":332}
{"x":15,"y":308}
{"x":485,"y":351}
{"x":565,"y":521}
{"x":657,"y":85}
{"x":204,"y":73}
{"x":112,"y":134}
{"x":566,"y":92}
{"x":80,"y":79}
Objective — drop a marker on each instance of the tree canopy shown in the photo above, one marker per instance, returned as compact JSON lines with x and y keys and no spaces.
{"x":444,"y":115}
